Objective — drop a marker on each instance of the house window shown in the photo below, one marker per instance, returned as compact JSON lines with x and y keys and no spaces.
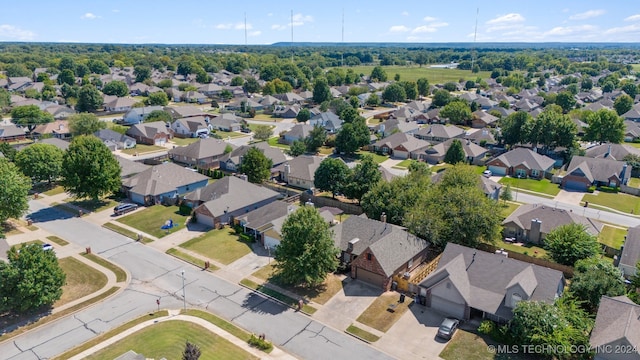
{"x":368,"y":256}
{"x":515,"y":299}
{"x":410,"y":263}
{"x":534,"y":173}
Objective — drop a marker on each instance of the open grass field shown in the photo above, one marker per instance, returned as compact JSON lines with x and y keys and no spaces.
{"x":223,"y":245}
{"x":621,"y":202}
{"x":167,"y":339}
{"x":612,"y":236}
{"x":152,"y":218}
{"x":543,"y":186}
{"x":378,"y":317}
{"x":414,"y":72}
{"x":82,"y":280}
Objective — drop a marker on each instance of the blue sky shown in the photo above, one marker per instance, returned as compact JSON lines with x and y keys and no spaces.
{"x":223,"y":22}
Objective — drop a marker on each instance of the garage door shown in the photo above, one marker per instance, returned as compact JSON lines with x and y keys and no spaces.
{"x":400,"y":154}
{"x":160,"y":142}
{"x":498,"y":170}
{"x":369,"y":277}
{"x":447,"y":307}
{"x":575,"y":185}
{"x":205,"y":220}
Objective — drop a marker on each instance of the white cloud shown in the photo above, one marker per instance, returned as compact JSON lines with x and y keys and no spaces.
{"x":11,"y":32}
{"x":398,"y":28}
{"x":587,"y":14}
{"x":429,"y":18}
{"x":254,"y":33}
{"x":634,"y":28}
{"x":278,"y":27}
{"x":224,"y":26}
{"x":89,"y":16}
{"x":404,"y":13}
{"x":506,"y":19}
{"x":240,"y":26}
{"x":115,"y":10}
{"x":569,"y":30}
{"x":635,"y":17}
{"x":429,"y":28}
{"x":299,"y":19}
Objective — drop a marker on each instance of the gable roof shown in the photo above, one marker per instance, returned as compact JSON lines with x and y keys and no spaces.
{"x":631,"y":252}
{"x":470,"y":149}
{"x":148,"y":130}
{"x":230,"y":194}
{"x":598,"y":169}
{"x":59,"y":143}
{"x":366,"y":230}
{"x":441,"y":131}
{"x":302,"y":167}
{"x":409,"y":142}
{"x":395,"y":249}
{"x":11,"y":130}
{"x":193,"y":123}
{"x":161,"y":179}
{"x":184,"y":111}
{"x":128,"y":167}
{"x":113,"y":136}
{"x":120,"y":102}
{"x":550,"y":218}
{"x":202,"y":148}
{"x":611,"y":151}
{"x":482,"y":278}
{"x":299,"y":131}
{"x":526,"y":157}
{"x":618,"y":318}
{"x":276,"y":155}
{"x":264,"y":215}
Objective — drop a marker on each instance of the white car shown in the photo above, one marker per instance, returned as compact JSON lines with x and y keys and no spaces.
{"x":47,"y":247}
{"x":487,"y":173}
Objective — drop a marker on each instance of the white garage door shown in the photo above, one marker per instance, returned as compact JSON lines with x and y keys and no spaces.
{"x":447,"y":307}
{"x":400,"y":154}
{"x":369,"y":277}
{"x":205,"y":220}
{"x":498,"y":170}
{"x":160,"y":142}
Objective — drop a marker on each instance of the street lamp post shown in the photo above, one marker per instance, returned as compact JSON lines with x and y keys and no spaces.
{"x":184,"y":296}
{"x":517,"y":183}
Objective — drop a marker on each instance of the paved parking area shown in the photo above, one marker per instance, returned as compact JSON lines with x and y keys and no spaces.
{"x":345,"y":306}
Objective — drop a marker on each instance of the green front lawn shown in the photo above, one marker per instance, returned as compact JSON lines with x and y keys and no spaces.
{"x":469,"y":346}
{"x":274,"y":143}
{"x":377,"y":315}
{"x":223,"y":245}
{"x":152,"y":218}
{"x":266,"y":117}
{"x":404,"y":164}
{"x":377,"y":158}
{"x":612,"y":236}
{"x":634,"y":182}
{"x":230,"y":134}
{"x":167,"y":339}
{"x":82,"y":280}
{"x":540,"y":186}
{"x":621,"y":202}
{"x":508,"y":208}
{"x":252,"y":127}
{"x":184,"y":141}
{"x":363,"y":334}
{"x":91,"y":205}
{"x":525,"y":248}
{"x":54,"y":191}
{"x":143,"y":149}
{"x":634,"y":144}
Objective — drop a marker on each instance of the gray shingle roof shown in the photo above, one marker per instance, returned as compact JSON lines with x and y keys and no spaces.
{"x":201,"y":149}
{"x":148,"y":130}
{"x":526,"y":157}
{"x":631,"y":252}
{"x":409,"y":142}
{"x":128,"y":167}
{"x":261,"y":216}
{"x":161,"y":179}
{"x":193,"y":123}
{"x":11,"y":130}
{"x":618,"y":318}
{"x":550,"y":218}
{"x":301,"y":167}
{"x":276,"y":155}
{"x":599,"y":169}
{"x":612,"y":151}
{"x":440,"y":131}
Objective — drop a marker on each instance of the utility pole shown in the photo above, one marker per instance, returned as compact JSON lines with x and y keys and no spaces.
{"x":245,"y":29}
{"x":292,"y":36}
{"x":342,"y":56}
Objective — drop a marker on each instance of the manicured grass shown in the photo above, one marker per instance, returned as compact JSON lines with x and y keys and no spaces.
{"x":363,"y":334}
{"x":266,"y":117}
{"x":277,"y":295}
{"x":57,"y":240}
{"x":273,"y":142}
{"x":540,"y":186}
{"x":126,"y":232}
{"x":167,"y":339}
{"x":526,"y":249}
{"x":93,"y":206}
{"x":102,"y":337}
{"x":377,"y":316}
{"x":82,"y":280}
{"x":621,"y":202}
{"x":325,"y":150}
{"x":253,"y":127}
{"x":54,"y":191}
{"x":634,"y":182}
{"x":636,"y":67}
{"x":266,"y":271}
{"x":143,"y":149}
{"x":469,"y":346}
{"x":404,"y":164}
{"x":612,"y":236}
{"x":223,"y":245}
{"x":184,"y":141}
{"x":219,"y":322}
{"x":224,"y":135}
{"x":121,"y":275}
{"x":152,"y":218}
{"x":190,"y":259}
{"x":434,"y":75}
{"x":377,"y":158}
{"x":508,"y":208}
{"x":634,"y":144}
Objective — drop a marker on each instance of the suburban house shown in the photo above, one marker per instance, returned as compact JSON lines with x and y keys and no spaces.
{"x":151,"y":133}
{"x":59,"y":143}
{"x":299,"y":171}
{"x":178,"y":112}
{"x":191,"y":127}
{"x":58,"y":129}
{"x":257,"y":222}
{"x":119,"y":104}
{"x":399,"y":145}
{"x":532,"y":222}
{"x":286,"y":111}
{"x":138,"y":115}
{"x":630,"y":252}
{"x":632,"y":132}
{"x":114,"y":140}
{"x":219,"y":202}
{"x":616,"y":333}
{"x":482,"y":119}
{"x":521,"y":162}
{"x":392,"y":126}
{"x":474,"y":154}
{"x":210,"y":90}
{"x":488,"y":186}
{"x":436,"y":133}
{"x":10,"y":133}
{"x":612,"y":151}
{"x":162,"y":184}
{"x":328,"y":120}
{"x":378,"y":251}
{"x":290,"y":98}
{"x":59,"y":111}
{"x":130,"y":168}
{"x":583,"y":172}
{"x":482,"y":137}
{"x":231,"y":161}
{"x":194,"y":97}
{"x":297,"y":132}
{"x":226,"y":122}
{"x":470,"y":283}
{"x":633,"y":114}
{"x":204,"y":153}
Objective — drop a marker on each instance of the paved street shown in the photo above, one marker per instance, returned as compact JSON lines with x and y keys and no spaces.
{"x":157,"y":275}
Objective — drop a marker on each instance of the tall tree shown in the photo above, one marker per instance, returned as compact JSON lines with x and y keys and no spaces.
{"x":89,"y":169}
{"x":251,"y":86}
{"x":441,"y":97}
{"x":116,"y":87}
{"x":551,"y":129}
{"x":631,"y":89}
{"x":505,"y":194}
{"x":32,"y":279}
{"x":303,"y":115}
{"x":317,"y":136}
{"x":66,"y":77}
{"x":30,"y":115}
{"x":40,"y":162}
{"x":89,"y":99}
{"x":85,"y":124}
{"x":514,"y":128}
{"x":262,"y":132}
{"x":363,"y":177}
{"x":623,"y":103}
{"x":256,"y":166}
{"x":191,"y":351}
{"x":394,"y":93}
{"x":378,"y":74}
{"x":423,"y":86}
{"x":455,"y":153}
{"x":8,"y":151}
{"x":142,"y":73}
{"x":297,"y":148}
{"x":307,"y":252}
{"x":332,"y":175}
{"x":158,"y":115}
{"x":566,"y":100}
{"x":594,"y":278}
{"x":14,"y":191}
{"x":458,"y":112}
{"x":569,"y":243}
{"x":157,"y":98}
{"x":605,"y":126}
{"x":321,"y":91}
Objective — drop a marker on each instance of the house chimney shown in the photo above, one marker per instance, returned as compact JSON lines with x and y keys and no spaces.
{"x":351,"y":243}
{"x":534,"y":233}
{"x":383,"y":217}
{"x":606,"y":155}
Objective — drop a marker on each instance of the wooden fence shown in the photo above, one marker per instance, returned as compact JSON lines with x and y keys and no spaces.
{"x":320,"y":201}
{"x":567,"y":270}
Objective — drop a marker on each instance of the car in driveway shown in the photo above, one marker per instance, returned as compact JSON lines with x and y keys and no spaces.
{"x":124,"y":208}
{"x":487,"y":173}
{"x":47,"y":247}
{"x":448,"y":328}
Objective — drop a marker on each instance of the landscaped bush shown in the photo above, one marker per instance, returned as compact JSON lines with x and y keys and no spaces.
{"x":261,"y":344}
{"x":608,"y":189}
{"x":185,"y":210}
{"x":494,"y":331}
{"x":591,"y":189}
{"x":487,"y":327}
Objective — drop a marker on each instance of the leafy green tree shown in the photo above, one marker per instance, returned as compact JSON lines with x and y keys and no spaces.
{"x":506,"y":194}
{"x":281,"y":87}
{"x":450,"y":86}
{"x":30,"y":115}
{"x":566,"y":100}
{"x":332,"y":175}
{"x":157,"y":98}
{"x":634,"y":286}
{"x":419,"y":166}
{"x":5,"y":98}
{"x":321,"y":91}
{"x":307,"y":252}
{"x":251,"y":86}
{"x":303,"y":115}
{"x":98,"y":66}
{"x":191,"y":351}
{"x":514,"y":128}
{"x":441,"y":97}
{"x":411,"y":89}
{"x":423,"y":86}
{"x":89,"y":169}
{"x":40,"y":162}
{"x":270,"y":72}
{"x":14,"y":191}
{"x":569,"y":243}
{"x":608,"y":87}
{"x":66,"y":77}
{"x":586,"y":84}
{"x":346,"y":141}
{"x":8,"y":151}
{"x":631,"y":89}
{"x":455,"y":153}
{"x":89,"y":99}
{"x":237,"y":81}
{"x":378,"y":74}
{"x":394,"y":93}
{"x":32,"y":94}
{"x":117,"y":88}
{"x":317,"y":136}
{"x":363,"y":177}
{"x":32,"y":279}
{"x":623,"y":103}
{"x":297,"y":148}
{"x":158,"y":115}
{"x":605,"y":126}
{"x":142,"y":73}
{"x":458,"y":112}
{"x":594,"y":278}
{"x":85,"y":124}
{"x":15,"y":70}
{"x":256,"y":166}
{"x":373,"y":100}
{"x":48,"y":92}
{"x":262,"y":132}
{"x":551,"y":129}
